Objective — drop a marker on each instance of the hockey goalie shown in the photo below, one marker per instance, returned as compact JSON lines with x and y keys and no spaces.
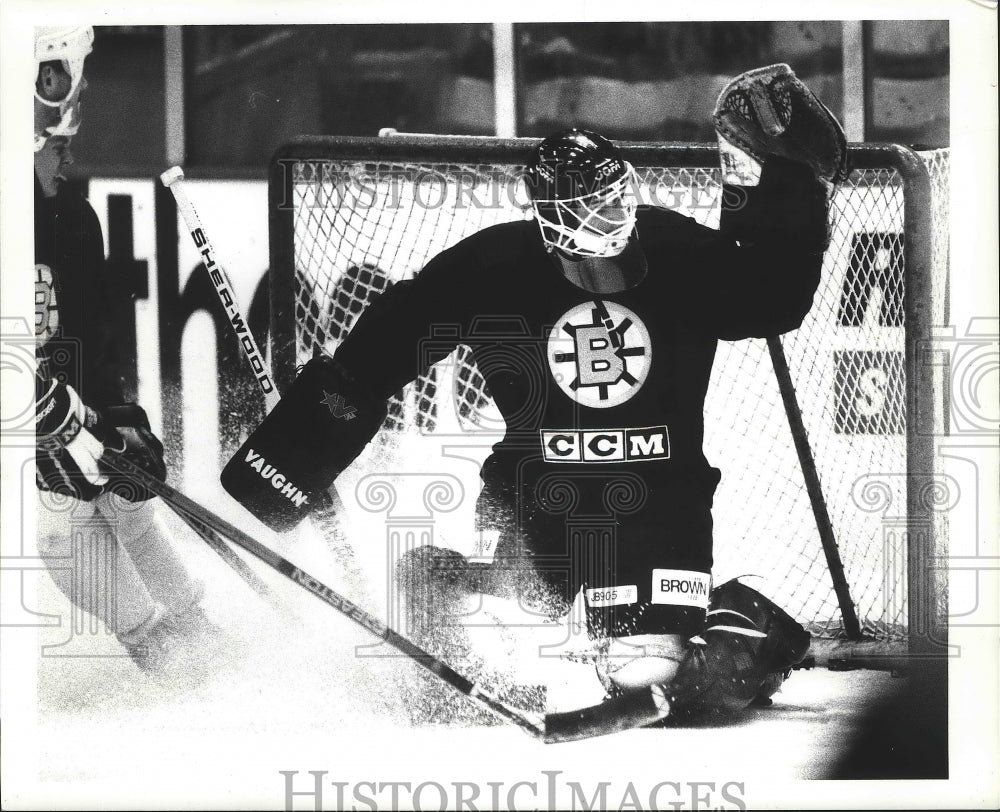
{"x":605,"y":318}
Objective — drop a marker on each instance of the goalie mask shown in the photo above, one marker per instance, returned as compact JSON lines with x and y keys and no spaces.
{"x":60,"y":52}
{"x":580,"y":188}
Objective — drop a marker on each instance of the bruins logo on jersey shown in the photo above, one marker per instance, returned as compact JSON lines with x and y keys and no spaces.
{"x":46,"y":306}
{"x":599,"y":353}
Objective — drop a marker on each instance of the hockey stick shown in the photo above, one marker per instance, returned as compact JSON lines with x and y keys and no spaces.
{"x":632,"y":709}
{"x":223,"y":286}
{"x":628,"y":711}
{"x":218,"y":544}
{"x":346,"y":607}
{"x":173,"y":180}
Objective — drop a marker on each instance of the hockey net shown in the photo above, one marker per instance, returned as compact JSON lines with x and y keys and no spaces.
{"x":350,"y":217}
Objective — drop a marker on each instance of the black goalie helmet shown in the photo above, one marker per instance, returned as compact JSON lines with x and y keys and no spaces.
{"x":580,"y":188}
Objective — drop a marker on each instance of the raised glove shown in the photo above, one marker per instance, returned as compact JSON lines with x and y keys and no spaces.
{"x":770,"y":112}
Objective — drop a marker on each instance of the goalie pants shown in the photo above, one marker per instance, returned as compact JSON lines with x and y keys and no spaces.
{"x":113,"y":559}
{"x":641,"y":551}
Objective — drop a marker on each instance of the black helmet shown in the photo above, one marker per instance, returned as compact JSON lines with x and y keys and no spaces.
{"x":579,"y":186}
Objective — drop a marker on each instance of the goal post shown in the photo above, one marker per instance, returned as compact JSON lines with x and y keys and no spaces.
{"x":826,"y":436}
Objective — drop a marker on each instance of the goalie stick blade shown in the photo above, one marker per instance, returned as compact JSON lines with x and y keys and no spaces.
{"x":633,"y":709}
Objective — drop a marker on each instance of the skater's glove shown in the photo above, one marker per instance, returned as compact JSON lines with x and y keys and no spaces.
{"x":66,"y":443}
{"x":125,"y":429}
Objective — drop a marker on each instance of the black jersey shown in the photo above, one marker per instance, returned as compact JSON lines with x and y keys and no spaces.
{"x":75,"y":327}
{"x":597,"y":383}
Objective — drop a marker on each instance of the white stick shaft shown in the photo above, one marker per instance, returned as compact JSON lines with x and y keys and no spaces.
{"x":224,"y":290}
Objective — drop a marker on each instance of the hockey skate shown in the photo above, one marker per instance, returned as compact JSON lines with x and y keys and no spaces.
{"x":180,"y":643}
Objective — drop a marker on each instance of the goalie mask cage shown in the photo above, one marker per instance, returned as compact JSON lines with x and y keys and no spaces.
{"x":825,"y":436}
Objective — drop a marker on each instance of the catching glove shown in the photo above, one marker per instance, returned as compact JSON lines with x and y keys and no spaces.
{"x":770,"y":112}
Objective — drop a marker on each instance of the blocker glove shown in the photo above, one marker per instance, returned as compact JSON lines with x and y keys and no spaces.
{"x":285,"y":468}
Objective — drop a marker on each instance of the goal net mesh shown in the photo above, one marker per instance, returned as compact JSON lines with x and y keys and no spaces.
{"x":360,"y":226}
